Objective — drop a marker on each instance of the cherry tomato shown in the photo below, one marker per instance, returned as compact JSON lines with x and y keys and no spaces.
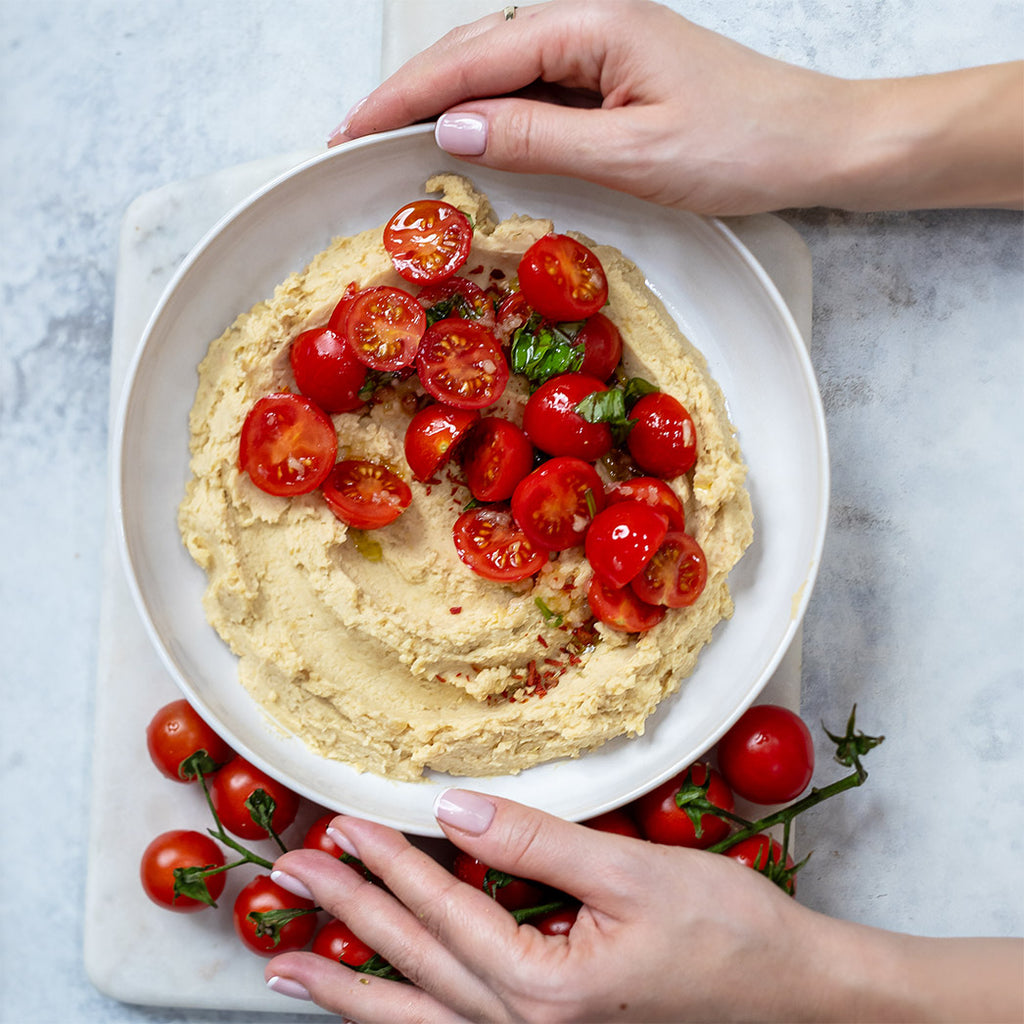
{"x":495,"y":457}
{"x":555,"y":504}
{"x":461,"y":363}
{"x":288,"y":445}
{"x":261,"y":895}
{"x":235,"y":784}
{"x":676,"y":574}
{"x":327,"y":371}
{"x":662,"y":820}
{"x":384,"y":327}
{"x":663,"y":440}
{"x":180,"y":848}
{"x":621,"y":540}
{"x":619,"y":822}
{"x":511,"y":892}
{"x":562,"y":279}
{"x":432,"y":434}
{"x":338,"y":942}
{"x":176,"y":733}
{"x":621,"y":609}
{"x":753,"y":852}
{"x":552,"y":423}
{"x":366,"y":495}
{"x":654,"y":492}
{"x":513,"y":312}
{"x":602,"y":346}
{"x":458,"y":297}
{"x":316,"y":837}
{"x":555,"y":922}
{"x":768,"y":755}
{"x":428,"y":240}
{"x":490,"y":542}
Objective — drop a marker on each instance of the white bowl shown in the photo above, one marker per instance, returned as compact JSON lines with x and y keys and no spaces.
{"x":721,"y":298}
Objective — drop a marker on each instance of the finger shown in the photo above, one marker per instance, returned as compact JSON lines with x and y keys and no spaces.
{"x":380,"y":921}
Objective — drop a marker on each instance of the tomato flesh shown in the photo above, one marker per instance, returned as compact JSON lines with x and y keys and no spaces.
{"x":428,"y":240}
{"x":556,"y":503}
{"x":654,"y":492}
{"x":457,"y":297}
{"x":552,"y":423}
{"x":366,"y":495}
{"x":460,"y":363}
{"x":180,"y":848}
{"x":621,"y":540}
{"x":432,"y":435}
{"x":662,"y":820}
{"x":676,"y":574}
{"x":327,"y":371}
{"x":663,"y":440}
{"x":495,"y":457}
{"x":490,"y":542}
{"x":621,"y":609}
{"x":384,"y":327}
{"x":562,"y":279}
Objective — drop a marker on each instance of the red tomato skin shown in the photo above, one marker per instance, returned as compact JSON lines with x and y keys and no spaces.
{"x":663,"y":440}
{"x":551,"y":505}
{"x":476,"y":304}
{"x":432,"y":435}
{"x":602,"y":346}
{"x":460,"y":363}
{"x":327,"y":371}
{"x":767,"y":757}
{"x":175,"y":733}
{"x":676,"y":574}
{"x":619,"y":822}
{"x":517,"y":895}
{"x":282,"y":431}
{"x":180,"y":848}
{"x":556,"y":922}
{"x":661,"y":821}
{"x":551,"y":422}
{"x":562,"y":279}
{"x":513,"y":312}
{"x":495,"y":457}
{"x":263,"y":894}
{"x":338,"y":942}
{"x":365,"y":495}
{"x":316,"y":837}
{"x":621,"y":609}
{"x":234,"y":784}
{"x":621,"y":540}
{"x":428,"y":240}
{"x":384,"y":327}
{"x":494,"y":546}
{"x":654,"y":492}
{"x":753,"y":853}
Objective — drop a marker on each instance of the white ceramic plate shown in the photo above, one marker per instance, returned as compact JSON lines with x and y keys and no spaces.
{"x":722,"y":300}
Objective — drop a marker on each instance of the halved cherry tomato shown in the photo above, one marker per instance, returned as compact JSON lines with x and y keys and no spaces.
{"x":676,"y":574}
{"x":663,"y":820}
{"x":180,"y":848}
{"x":461,"y":363}
{"x":492,"y":544}
{"x":432,"y":435}
{"x":556,"y":503}
{"x":339,"y":315}
{"x":663,"y":440}
{"x":327,"y":371}
{"x":384,"y":327}
{"x":621,"y":609}
{"x":654,"y":492}
{"x":757,"y":851}
{"x":511,"y":892}
{"x":261,"y":896}
{"x":562,"y":279}
{"x":513,"y":312}
{"x":621,"y":540}
{"x":338,"y":942}
{"x":366,"y":495}
{"x":602,"y":346}
{"x":232,"y":790}
{"x":552,"y":423}
{"x":176,"y":733}
{"x":460,"y":297}
{"x":495,"y":457}
{"x":428,"y":240}
{"x":288,"y":445}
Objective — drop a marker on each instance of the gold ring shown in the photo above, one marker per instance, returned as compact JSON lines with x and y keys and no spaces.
{"x":509,"y":12}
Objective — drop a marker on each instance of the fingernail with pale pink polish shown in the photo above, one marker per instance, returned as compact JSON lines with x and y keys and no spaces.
{"x":461,"y":134}
{"x":467,"y":811}
{"x":342,"y":842}
{"x":342,"y":128}
{"x":292,"y":884}
{"x":287,"y":987}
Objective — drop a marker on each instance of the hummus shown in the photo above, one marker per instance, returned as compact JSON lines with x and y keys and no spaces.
{"x":382,"y":649}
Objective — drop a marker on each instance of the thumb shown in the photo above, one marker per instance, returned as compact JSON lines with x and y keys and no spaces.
{"x":532,"y":844}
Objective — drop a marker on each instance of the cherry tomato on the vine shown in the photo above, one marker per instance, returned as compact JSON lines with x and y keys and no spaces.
{"x":176,"y":733}
{"x":556,"y":503}
{"x":365,"y":495}
{"x":180,"y":848}
{"x":428,"y":240}
{"x":562,"y":279}
{"x":460,"y":297}
{"x":263,"y":895}
{"x":663,"y":440}
{"x":654,"y":492}
{"x":327,"y":371}
{"x":495,"y":457}
{"x":338,"y":942}
{"x":551,"y":422}
{"x":288,"y":445}
{"x":511,"y":892}
{"x":621,"y":540}
{"x":602,"y":346}
{"x":619,"y":822}
{"x":384,"y":327}
{"x":431,"y":436}
{"x":493,"y":545}
{"x":676,"y":574}
{"x":768,"y":755}
{"x":753,"y":852}
{"x":235,"y":784}
{"x":460,"y":363}
{"x":621,"y":609}
{"x":556,"y":922}
{"x":662,"y":820}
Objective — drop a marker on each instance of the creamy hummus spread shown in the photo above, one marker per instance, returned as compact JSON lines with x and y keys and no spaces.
{"x":382,"y":649}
